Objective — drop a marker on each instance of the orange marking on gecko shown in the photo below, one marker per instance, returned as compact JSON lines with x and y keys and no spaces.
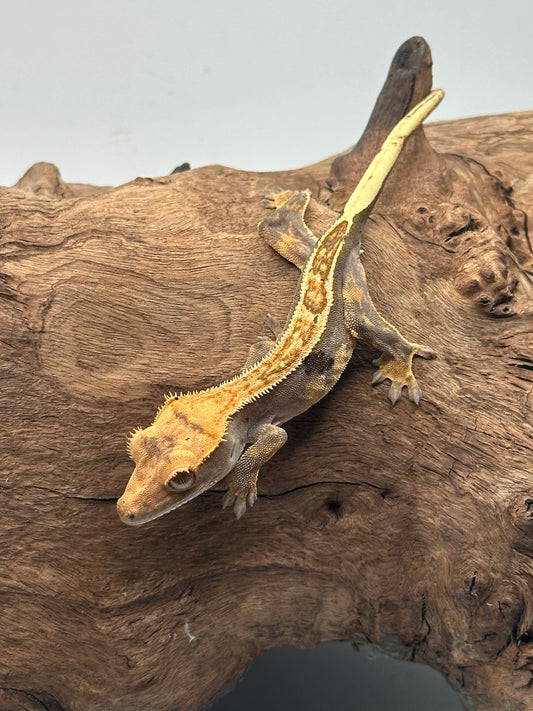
{"x":208,"y":411}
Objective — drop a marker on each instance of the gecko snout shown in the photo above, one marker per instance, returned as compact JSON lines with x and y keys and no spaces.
{"x":126,"y":513}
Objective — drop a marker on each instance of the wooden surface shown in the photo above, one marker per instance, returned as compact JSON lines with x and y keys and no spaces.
{"x":406,"y":527}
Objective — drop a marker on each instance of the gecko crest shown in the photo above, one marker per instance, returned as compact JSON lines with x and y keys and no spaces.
{"x":199,"y":420}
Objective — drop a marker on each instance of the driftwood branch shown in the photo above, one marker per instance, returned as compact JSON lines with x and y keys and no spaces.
{"x":411,"y":528}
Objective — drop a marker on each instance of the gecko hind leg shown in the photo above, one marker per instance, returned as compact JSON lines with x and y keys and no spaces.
{"x":242,"y":480}
{"x":286,"y":230}
{"x":364,"y":321}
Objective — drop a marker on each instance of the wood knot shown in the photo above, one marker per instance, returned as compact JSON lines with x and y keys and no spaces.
{"x":334,"y":507}
{"x":44,"y":180}
{"x":489,"y":279}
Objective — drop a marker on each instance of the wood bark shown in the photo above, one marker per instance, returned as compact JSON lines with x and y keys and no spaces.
{"x":410,"y":528}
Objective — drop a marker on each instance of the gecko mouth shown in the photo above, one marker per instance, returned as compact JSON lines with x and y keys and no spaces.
{"x":132,"y":514}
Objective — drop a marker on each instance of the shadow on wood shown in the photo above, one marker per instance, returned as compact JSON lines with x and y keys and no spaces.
{"x":409,"y":527}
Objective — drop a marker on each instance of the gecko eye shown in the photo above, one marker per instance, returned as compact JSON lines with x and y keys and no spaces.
{"x":181,"y":481}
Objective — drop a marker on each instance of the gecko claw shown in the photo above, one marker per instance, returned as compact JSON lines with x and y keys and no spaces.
{"x":251,"y":498}
{"x":228,"y":500}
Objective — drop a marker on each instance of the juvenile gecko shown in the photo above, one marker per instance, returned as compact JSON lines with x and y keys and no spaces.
{"x":230,"y":430}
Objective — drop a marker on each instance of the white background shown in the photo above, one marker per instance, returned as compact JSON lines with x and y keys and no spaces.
{"x":112,"y":89}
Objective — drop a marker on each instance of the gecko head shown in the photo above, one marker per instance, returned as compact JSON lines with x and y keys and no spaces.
{"x":168,"y":458}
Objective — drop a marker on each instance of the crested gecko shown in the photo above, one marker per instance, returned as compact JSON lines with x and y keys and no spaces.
{"x":230,"y":430}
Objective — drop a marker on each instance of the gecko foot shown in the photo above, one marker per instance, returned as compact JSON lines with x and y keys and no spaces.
{"x":398,"y":369}
{"x":276,"y":197}
{"x":242,"y":491}
{"x":238,"y":503}
{"x":265,"y":440}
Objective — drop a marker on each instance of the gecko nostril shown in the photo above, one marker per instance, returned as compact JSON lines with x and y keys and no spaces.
{"x":126,"y":513}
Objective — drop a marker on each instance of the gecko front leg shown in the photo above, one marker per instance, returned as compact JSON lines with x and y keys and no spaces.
{"x":242,"y":480}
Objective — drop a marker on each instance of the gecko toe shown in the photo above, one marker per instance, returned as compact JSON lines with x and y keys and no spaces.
{"x":274,"y":326}
{"x":425,"y":352}
{"x":228,"y":500}
{"x":395,"y":393}
{"x":276,"y":197}
{"x":414,"y":393}
{"x":239,"y":508}
{"x":379,"y":377}
{"x":238,"y":504}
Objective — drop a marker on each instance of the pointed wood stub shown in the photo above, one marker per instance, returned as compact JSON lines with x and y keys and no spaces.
{"x":409,"y":80}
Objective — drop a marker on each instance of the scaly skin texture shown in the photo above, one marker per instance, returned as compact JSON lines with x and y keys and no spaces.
{"x":230,"y":430}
